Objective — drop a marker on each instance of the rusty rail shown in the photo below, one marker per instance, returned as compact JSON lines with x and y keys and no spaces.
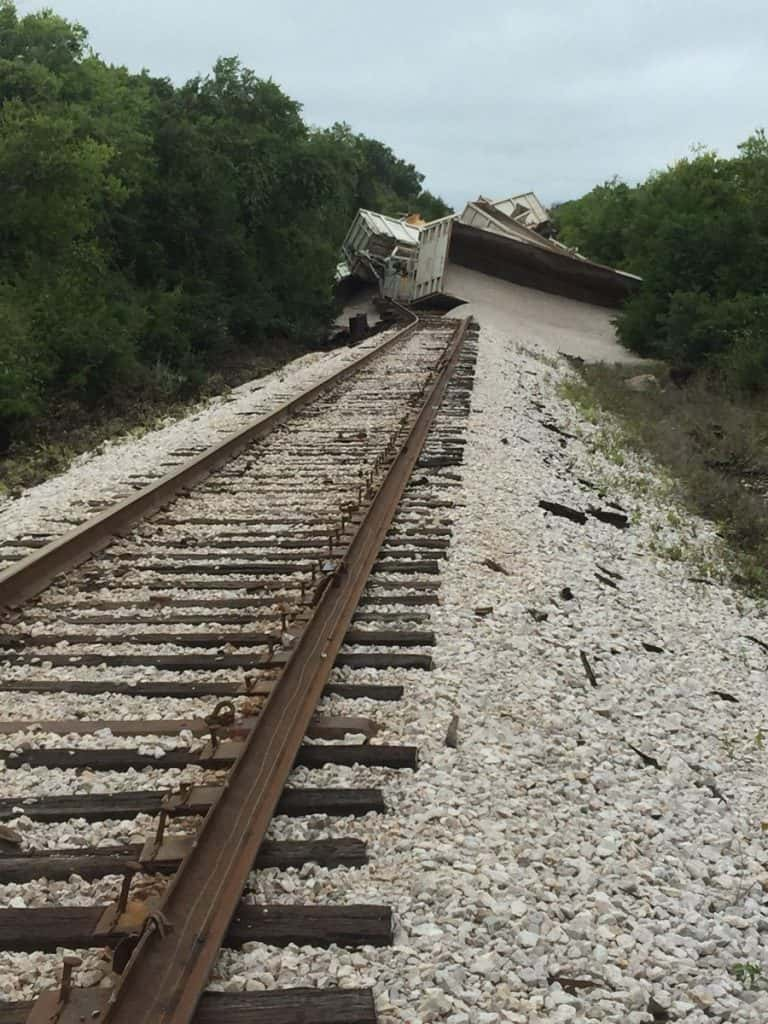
{"x":172,"y":960}
{"x":28,"y":577}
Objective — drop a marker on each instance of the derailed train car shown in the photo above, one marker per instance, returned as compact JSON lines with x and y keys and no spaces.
{"x":509,"y":239}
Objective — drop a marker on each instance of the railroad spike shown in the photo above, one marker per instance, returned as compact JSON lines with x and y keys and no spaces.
{"x":69,"y":963}
{"x":122,"y":900}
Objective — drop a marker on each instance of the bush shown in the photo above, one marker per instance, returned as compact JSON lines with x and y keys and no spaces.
{"x":20,"y":390}
{"x":697,"y":234}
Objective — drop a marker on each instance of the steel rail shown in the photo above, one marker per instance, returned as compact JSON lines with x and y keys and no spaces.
{"x":29,"y":576}
{"x":172,"y":961}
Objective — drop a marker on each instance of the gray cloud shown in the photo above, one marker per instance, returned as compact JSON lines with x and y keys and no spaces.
{"x":495,"y":97}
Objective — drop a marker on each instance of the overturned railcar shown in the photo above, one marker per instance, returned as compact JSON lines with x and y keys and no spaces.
{"x":414,"y":262}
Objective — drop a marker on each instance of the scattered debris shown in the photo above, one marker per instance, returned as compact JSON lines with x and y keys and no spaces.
{"x":573,"y":985}
{"x":647,"y":759}
{"x":591,"y":486}
{"x":537,"y":616}
{"x":607,"y":572}
{"x":548,"y":425}
{"x":588,"y":668}
{"x":607,"y":581}
{"x":617,"y":519}
{"x":760,"y":643}
{"x":723,"y":695}
{"x":452,"y":735}
{"x":564,"y":511}
{"x":491,"y":563}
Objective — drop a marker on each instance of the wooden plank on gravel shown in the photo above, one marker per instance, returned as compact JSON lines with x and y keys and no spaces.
{"x":326,"y":727}
{"x":362,"y":637}
{"x":404,"y":600}
{"x":230,"y":521}
{"x":382,"y":661}
{"x":364,"y":691}
{"x":210,"y":662}
{"x":166,"y":662}
{"x":161,"y":688}
{"x":265,"y":583}
{"x":315,"y":543}
{"x":161,"y":601}
{"x":377,"y":755}
{"x":278,"y":1006}
{"x":375,"y":586}
{"x":136,"y":637}
{"x":390,"y":638}
{"x":427,"y":566}
{"x":279,"y":925}
{"x":184,"y":689}
{"x":98,"y":861}
{"x":46,"y":929}
{"x":127,"y":759}
{"x":418,"y":541}
{"x":294,"y":803}
{"x":219,"y":618}
{"x":222,"y":568}
{"x":285,"y":1006}
{"x":401,"y":616}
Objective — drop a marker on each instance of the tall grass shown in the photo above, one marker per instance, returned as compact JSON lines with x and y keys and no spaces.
{"x":714,"y":444}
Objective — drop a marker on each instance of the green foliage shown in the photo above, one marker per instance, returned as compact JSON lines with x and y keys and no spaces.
{"x":712,"y":448}
{"x":697,"y":234}
{"x":749,"y":974}
{"x":597,"y":223}
{"x":147,"y":229}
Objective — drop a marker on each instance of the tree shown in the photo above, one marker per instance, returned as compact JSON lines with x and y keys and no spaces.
{"x":598,"y":223}
{"x":697,"y":234}
{"x":146,"y":228}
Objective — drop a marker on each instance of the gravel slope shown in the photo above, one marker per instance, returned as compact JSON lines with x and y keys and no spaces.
{"x":544,"y":846}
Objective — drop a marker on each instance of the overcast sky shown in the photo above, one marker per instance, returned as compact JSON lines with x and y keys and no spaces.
{"x":494,"y":97}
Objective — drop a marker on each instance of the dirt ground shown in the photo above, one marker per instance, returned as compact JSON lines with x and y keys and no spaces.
{"x":538,"y":319}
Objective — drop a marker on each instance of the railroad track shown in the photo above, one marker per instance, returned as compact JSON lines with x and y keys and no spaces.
{"x":32,"y":521}
{"x":164,"y":668}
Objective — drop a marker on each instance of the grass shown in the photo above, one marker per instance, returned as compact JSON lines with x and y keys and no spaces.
{"x":712,"y":447}
{"x":749,"y":974}
{"x":68,"y":430}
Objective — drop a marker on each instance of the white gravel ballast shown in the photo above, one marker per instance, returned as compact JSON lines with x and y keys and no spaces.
{"x":589,"y":852}
{"x":593,"y":850}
